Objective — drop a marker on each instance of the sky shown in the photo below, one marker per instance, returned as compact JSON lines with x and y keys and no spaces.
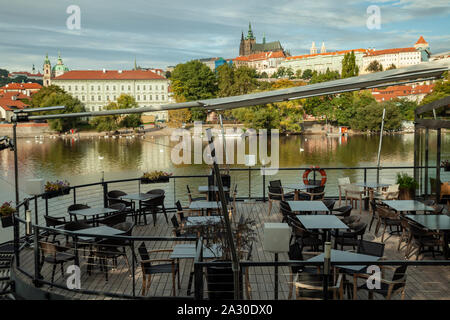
{"x":164,"y":33}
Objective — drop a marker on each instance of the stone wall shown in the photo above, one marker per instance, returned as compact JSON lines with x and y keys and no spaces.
{"x":25,"y":129}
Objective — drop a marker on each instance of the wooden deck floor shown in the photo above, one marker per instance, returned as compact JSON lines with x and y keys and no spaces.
{"x":422,"y":283}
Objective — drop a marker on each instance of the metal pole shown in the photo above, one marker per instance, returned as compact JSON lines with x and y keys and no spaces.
{"x":438,"y":165}
{"x":16,"y":169}
{"x":426,"y":163}
{"x":326,"y":266}
{"x":249,"y":184}
{"x":229,"y":234}
{"x":379,"y":146}
{"x":276,"y":276}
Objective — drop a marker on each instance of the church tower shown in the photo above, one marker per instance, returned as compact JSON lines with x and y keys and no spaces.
{"x":241,"y":46}
{"x":47,"y":72}
{"x":323,"y":49}
{"x":313,"y":49}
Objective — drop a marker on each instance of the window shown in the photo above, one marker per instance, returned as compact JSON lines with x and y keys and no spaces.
{"x":99,"y":98}
{"x":114,"y":97}
{"x":82,"y":98}
{"x":82,"y":88}
{"x":107,"y":98}
{"x":150,"y":97}
{"x":138,"y":98}
{"x":150,"y":88}
{"x":92,"y":88}
{"x":98,"y":88}
{"x":76,"y":88}
{"x":156,"y":97}
{"x":69,"y":88}
{"x":138,"y":87}
{"x":143,"y":97}
{"x":92,"y":98}
{"x":143,"y":87}
{"x":107,"y":88}
{"x":114,"y":88}
{"x":129,"y":88}
{"x":156,"y":88}
{"x":122,"y":88}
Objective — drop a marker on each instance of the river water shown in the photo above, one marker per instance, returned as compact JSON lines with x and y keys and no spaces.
{"x":86,"y":160}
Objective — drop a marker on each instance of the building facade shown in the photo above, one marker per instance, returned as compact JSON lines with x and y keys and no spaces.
{"x":414,"y":92}
{"x":398,"y":57}
{"x":267,"y":62}
{"x":322,"y":61}
{"x":97,"y":88}
{"x":49,"y":73}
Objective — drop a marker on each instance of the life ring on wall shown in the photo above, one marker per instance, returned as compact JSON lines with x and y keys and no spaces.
{"x":315,"y":168}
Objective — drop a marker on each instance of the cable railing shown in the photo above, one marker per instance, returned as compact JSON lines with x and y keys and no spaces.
{"x":126,"y":280}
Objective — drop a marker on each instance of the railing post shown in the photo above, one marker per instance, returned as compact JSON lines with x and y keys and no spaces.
{"x":276,"y":276}
{"x":74,"y":195}
{"x":365,"y":175}
{"x":264,"y":183}
{"x":174,"y":192}
{"x":37,"y":275}
{"x":16,"y":242}
{"x":36,"y":215}
{"x":133,"y":272}
{"x":105,"y":193}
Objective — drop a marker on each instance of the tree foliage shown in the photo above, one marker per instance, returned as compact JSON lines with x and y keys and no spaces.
{"x":374,"y":66}
{"x":349,"y":66}
{"x":114,"y":122}
{"x":55,"y":96}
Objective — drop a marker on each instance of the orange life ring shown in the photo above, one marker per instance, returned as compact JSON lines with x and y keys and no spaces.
{"x":321,"y":171}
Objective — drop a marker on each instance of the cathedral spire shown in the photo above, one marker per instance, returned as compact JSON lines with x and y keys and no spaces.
{"x":250,"y":32}
{"x":313,"y":49}
{"x":135,"y":65}
{"x":264,"y":38}
{"x":323,"y":49}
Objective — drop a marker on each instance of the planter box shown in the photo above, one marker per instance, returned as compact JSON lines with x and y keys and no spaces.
{"x":406,"y":194}
{"x":7,"y":221}
{"x":159,"y":180}
{"x":57,"y":193}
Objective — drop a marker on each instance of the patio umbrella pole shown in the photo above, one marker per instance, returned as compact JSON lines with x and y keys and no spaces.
{"x":229,"y":234}
{"x":379,"y":146}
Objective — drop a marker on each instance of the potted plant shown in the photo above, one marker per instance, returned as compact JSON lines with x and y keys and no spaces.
{"x":220,"y":278}
{"x":446,"y":165}
{"x":407,"y":186}
{"x":6,"y":213}
{"x":56,"y":188}
{"x":155,"y":177}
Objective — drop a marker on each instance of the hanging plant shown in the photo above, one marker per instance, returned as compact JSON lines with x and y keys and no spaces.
{"x":56,"y":188}
{"x":6,"y":213}
{"x":155,"y":177}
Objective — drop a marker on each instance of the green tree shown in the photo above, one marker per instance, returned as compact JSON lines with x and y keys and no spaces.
{"x":307,"y":74}
{"x":193,"y":81}
{"x":374,"y":66}
{"x":244,"y":80}
{"x":114,"y":122}
{"x":369,"y":117}
{"x":298,"y":73}
{"x":441,"y":89}
{"x":264,"y":75}
{"x":349,"y":67}
{"x":225,"y":80}
{"x":55,"y":96}
{"x":290,"y":73}
{"x":392,"y":66}
{"x":406,"y":108}
{"x":4,"y":73}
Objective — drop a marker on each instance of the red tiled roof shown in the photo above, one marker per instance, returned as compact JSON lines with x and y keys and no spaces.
{"x":6,"y":101}
{"x":325,"y":54}
{"x":261,"y":56}
{"x":401,"y":91}
{"x":389,"y":51}
{"x":421,"y":41}
{"x":21,"y":86}
{"x":25,"y":73}
{"x":109,"y":75}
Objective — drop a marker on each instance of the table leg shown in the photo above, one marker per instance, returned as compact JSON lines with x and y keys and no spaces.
{"x":355,"y":287}
{"x":296,"y":195}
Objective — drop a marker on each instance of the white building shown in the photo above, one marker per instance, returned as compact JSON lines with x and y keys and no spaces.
{"x":267,"y":62}
{"x":322,"y":61}
{"x":97,"y":88}
{"x":399,"y":57}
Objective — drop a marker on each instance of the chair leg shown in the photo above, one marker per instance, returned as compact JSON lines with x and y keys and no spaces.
{"x":291,"y":285}
{"x":144,"y":284}
{"x":53,"y":274}
{"x":62,"y":270}
{"x":270,"y":207}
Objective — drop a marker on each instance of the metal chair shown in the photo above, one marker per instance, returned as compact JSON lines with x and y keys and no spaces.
{"x":155,"y":206}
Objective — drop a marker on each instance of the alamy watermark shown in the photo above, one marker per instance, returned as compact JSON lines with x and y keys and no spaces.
{"x":73,"y":21}
{"x":74,"y":279}
{"x":374,"y":19}
{"x":191,"y":148}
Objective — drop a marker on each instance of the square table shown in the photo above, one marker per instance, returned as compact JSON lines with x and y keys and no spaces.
{"x":139,"y":197}
{"x":339,"y":255}
{"x":204,"y":205}
{"x":88,"y":212}
{"x":308,"y":206}
{"x":299,"y":186}
{"x":188,"y":251}
{"x":98,"y":232}
{"x":324,"y":222}
{"x":435,"y":222}
{"x":370,"y":187}
{"x":407,"y":205}
{"x":199,"y":221}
